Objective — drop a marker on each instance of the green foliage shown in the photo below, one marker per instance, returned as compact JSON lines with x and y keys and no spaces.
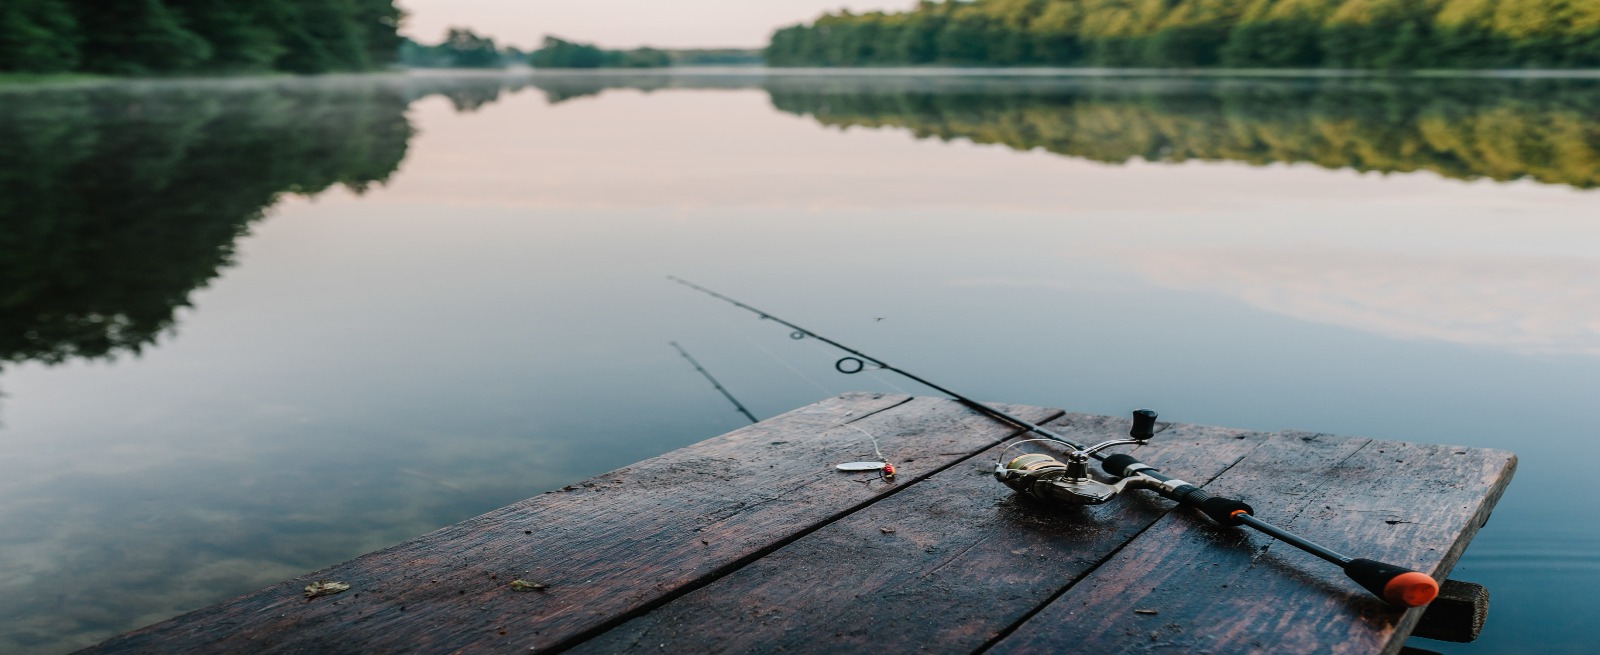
{"x":560,"y":53}
{"x":1384,"y":34}
{"x":1274,"y":44}
{"x":38,"y":36}
{"x":379,"y":22}
{"x":138,"y":37}
{"x":637,"y":58}
{"x":465,"y":49}
{"x":240,"y":36}
{"x":131,"y":37}
{"x":416,"y":55}
{"x":320,"y":36}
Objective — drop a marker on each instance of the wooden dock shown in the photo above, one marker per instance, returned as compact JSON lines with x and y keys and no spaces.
{"x":753,"y":542}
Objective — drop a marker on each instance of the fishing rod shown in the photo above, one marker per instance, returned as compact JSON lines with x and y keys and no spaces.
{"x":1043,"y":476}
{"x":737,"y":405}
{"x":859,"y":361}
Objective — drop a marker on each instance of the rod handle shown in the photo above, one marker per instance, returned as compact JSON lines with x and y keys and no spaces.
{"x":1117,"y":465}
{"x":1398,"y":586}
{"x":1226,"y":511}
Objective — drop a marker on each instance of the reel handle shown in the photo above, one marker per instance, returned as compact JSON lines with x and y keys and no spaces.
{"x":1144,"y":424}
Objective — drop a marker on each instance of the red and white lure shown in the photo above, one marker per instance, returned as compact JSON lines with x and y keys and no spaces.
{"x":884,"y":468}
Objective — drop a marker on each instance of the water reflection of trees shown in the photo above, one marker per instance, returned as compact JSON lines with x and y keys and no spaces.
{"x":1547,"y":130}
{"x":118,"y":201}
{"x":1500,"y":129}
{"x":467,"y":92}
{"x":559,"y":87}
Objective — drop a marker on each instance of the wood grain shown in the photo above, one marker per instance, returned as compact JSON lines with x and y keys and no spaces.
{"x":1456,"y":615}
{"x":607,"y":548}
{"x":1221,"y":590}
{"x":751,"y":542}
{"x":945,"y":566}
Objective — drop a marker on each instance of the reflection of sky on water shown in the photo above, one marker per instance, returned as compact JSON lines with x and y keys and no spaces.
{"x":493,"y":323}
{"x":1524,"y":305}
{"x":1405,"y":256}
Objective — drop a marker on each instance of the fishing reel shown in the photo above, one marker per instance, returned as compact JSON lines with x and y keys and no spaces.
{"x":1051,"y":480}
{"x":1046,"y":478}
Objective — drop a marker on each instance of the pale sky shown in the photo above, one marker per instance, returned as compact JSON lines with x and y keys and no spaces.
{"x":622,"y":23}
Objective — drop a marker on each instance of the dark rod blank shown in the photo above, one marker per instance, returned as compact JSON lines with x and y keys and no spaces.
{"x":868,"y":359}
{"x":1295,"y":540}
{"x":1400,"y":587}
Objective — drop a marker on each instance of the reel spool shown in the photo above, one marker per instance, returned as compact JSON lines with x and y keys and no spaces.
{"x":1049,"y":479}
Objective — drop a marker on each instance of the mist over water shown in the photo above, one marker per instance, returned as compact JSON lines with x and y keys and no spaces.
{"x":252,"y":328}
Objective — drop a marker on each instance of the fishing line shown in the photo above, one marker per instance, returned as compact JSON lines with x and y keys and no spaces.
{"x":858,"y":361}
{"x":885,"y":469}
{"x":875,"y":448}
{"x":1014,"y":444}
{"x":1070,"y":483}
{"x":882,"y":466}
{"x":786,"y":364}
{"x":871,"y":371}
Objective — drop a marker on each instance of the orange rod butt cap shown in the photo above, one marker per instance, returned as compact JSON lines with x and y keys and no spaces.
{"x":1411,"y":589}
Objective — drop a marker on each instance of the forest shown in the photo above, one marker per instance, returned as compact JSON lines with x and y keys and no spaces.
{"x":461,"y":48}
{"x":137,"y":37}
{"x":1362,"y":34}
{"x":561,"y":53}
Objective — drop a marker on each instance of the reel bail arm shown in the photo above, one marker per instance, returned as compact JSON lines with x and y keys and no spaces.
{"x":1047,"y":478}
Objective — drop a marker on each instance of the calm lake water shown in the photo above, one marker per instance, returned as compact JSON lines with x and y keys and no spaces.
{"x":253,"y":328}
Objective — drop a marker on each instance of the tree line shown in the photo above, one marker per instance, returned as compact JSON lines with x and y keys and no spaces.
{"x":124,"y":37}
{"x":1376,"y":34}
{"x":461,"y":48}
{"x":557,"y":52}
{"x":1543,"y":130}
{"x":561,"y":53}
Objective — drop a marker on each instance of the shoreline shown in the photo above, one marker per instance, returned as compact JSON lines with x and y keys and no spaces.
{"x":16,"y":81}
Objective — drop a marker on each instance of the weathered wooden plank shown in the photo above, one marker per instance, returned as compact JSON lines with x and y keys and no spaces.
{"x":945,"y":566}
{"x":607,"y":548}
{"x":1218,"y":590}
{"x":1457,"y":614}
